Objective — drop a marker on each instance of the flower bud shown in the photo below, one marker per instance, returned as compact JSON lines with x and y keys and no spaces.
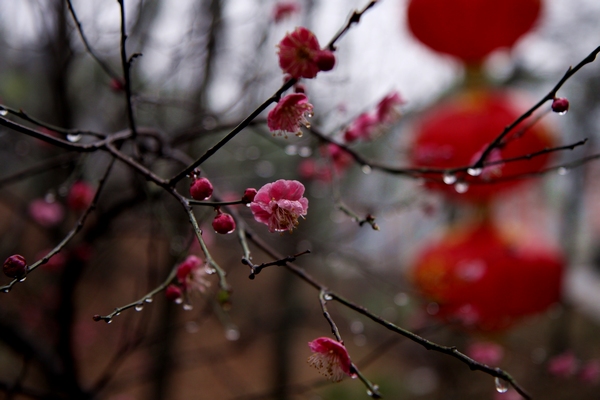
{"x":15,"y":266}
{"x":560,"y":105}
{"x":173,"y":292}
{"x":249,"y":194}
{"x":201,"y":189}
{"x":223,"y":223}
{"x":80,"y":196}
{"x":325,"y":60}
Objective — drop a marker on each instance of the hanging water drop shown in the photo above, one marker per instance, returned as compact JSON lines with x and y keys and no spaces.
{"x":73,"y":137}
{"x":232,"y":334}
{"x":139,"y":307}
{"x":210,"y":271}
{"x":6,"y":290}
{"x":369,"y":393}
{"x":474,"y":171}
{"x":328,"y":297}
{"x":562,"y":112}
{"x":366,"y":169}
{"x":178,"y":300}
{"x":188,"y":307}
{"x":3,"y":112}
{"x":109,"y":321}
{"x":501,"y":385}
{"x":461,"y":187}
{"x":148,"y":299}
{"x":449,"y":178}
{"x":22,"y":279}
{"x":562,"y":171}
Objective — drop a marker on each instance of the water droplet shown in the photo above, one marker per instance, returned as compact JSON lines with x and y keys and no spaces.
{"x":305,"y":151}
{"x":73,"y":137}
{"x":210,"y":271}
{"x":3,"y":112}
{"x":178,"y":300}
{"x":562,"y":171}
{"x":461,"y":187}
{"x":449,"y":179}
{"x":109,"y":321}
{"x":328,"y":297}
{"x":369,"y":393}
{"x":291,"y":150}
{"x":501,"y":385}
{"x":474,"y":171}
{"x":117,"y":314}
{"x":148,"y":299}
{"x":6,"y":290}
{"x":562,"y":112}
{"x":310,"y":114}
{"x":50,"y":197}
{"x":232,"y":334}
{"x":22,"y":279}
{"x":366,"y":169}
{"x":188,"y":307}
{"x":139,"y":307}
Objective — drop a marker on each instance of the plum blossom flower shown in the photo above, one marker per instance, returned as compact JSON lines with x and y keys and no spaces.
{"x":290,"y":114}
{"x":284,"y":10}
{"x":191,"y":273}
{"x":387,"y":109}
{"x":300,"y":54}
{"x":80,"y":196}
{"x":279,"y":204}
{"x":45,"y":213}
{"x":362,"y":127}
{"x":330,"y":358}
{"x":563,"y":365}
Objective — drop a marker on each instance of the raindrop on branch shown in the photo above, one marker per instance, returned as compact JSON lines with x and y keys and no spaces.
{"x":501,"y":385}
{"x":474,"y":171}
{"x":449,"y":179}
{"x":73,"y":137}
{"x":139,"y":307}
{"x":366,"y":169}
{"x":461,"y":187}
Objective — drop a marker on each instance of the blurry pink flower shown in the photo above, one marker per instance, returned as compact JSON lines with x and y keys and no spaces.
{"x":590,"y":372}
{"x":46,"y":214}
{"x":312,"y":169}
{"x":563,"y":365}
{"x":289,"y":114}
{"x":191,"y":273}
{"x":363,"y":127}
{"x":330,"y":358}
{"x":80,"y":196}
{"x":486,"y":352}
{"x":300,"y":54}
{"x":174,"y":293}
{"x":284,"y":10}
{"x":279,"y":204}
{"x":341,"y":158}
{"x":387,"y":109}
{"x":55,"y":263}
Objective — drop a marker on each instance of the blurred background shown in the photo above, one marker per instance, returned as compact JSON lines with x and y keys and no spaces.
{"x":205,"y":65}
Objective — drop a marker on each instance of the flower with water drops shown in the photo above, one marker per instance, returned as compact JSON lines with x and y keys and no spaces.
{"x":279,"y":205}
{"x":290,"y":113}
{"x":300,"y":54}
{"x":330,"y":358}
{"x":191,"y":275}
{"x":560,"y":105}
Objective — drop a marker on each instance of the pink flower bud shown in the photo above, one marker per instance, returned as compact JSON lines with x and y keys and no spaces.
{"x":330,"y":358}
{"x":173,"y":293}
{"x":201,"y":189}
{"x":325,"y":60}
{"x":15,"y":266}
{"x":560,"y":105}
{"x":249,"y":195}
{"x":80,"y":196}
{"x":223,"y":223}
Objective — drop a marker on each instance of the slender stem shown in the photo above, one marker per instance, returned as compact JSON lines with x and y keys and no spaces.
{"x":126,"y":64}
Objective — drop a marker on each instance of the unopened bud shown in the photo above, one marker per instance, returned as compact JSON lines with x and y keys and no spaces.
{"x":249,"y":195}
{"x":223,"y":223}
{"x":15,"y":266}
{"x":560,"y":105}
{"x":173,"y":292}
{"x":325,"y":60}
{"x":201,"y":189}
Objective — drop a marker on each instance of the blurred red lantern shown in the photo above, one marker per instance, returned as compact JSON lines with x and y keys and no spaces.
{"x":455,"y":132}
{"x":471,"y":29}
{"x":484,"y":280}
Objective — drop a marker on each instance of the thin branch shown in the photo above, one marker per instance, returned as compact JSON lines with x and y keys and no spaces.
{"x":126,"y":65}
{"x":255,"y":269}
{"x":44,"y":166}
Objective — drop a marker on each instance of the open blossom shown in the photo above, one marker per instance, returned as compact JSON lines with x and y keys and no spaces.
{"x":330,"y":358}
{"x":191,"y":273}
{"x":363,"y":127}
{"x":387,"y":109}
{"x":284,"y":10}
{"x":301,"y":56}
{"x":290,"y":114}
{"x":279,"y":205}
{"x":368,"y":125}
{"x":46,"y":214}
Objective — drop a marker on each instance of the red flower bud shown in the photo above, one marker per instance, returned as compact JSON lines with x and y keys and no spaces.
{"x":201,"y":189}
{"x":80,"y":196}
{"x":173,"y":293}
{"x":325,"y":60}
{"x":249,"y":195}
{"x":560,"y":105}
{"x":223,"y":223}
{"x":15,"y":266}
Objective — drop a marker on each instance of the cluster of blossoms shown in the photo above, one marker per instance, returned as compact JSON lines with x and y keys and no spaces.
{"x":330,"y":358}
{"x":191,"y":277}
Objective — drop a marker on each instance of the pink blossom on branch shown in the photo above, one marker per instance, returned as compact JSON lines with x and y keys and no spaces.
{"x":330,"y":358}
{"x":47,"y":214}
{"x":300,"y":55}
{"x":290,"y":114}
{"x":284,"y":10}
{"x":279,"y":205}
{"x":387,"y":110}
{"x":191,"y":274}
{"x":363,"y":127}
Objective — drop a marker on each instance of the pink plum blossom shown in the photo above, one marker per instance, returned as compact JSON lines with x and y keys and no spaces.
{"x":46,"y":214}
{"x":363,"y":127}
{"x":290,"y":114}
{"x":300,"y":55}
{"x":486,"y":352}
{"x":563,"y":365}
{"x":279,"y":204}
{"x":330,"y":358}
{"x":191,"y":274}
{"x":387,"y":110}
{"x":284,"y":10}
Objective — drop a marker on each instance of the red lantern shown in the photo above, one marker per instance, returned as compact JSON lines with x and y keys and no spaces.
{"x":471,"y":29}
{"x":456,"y":132}
{"x":484,"y":280}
